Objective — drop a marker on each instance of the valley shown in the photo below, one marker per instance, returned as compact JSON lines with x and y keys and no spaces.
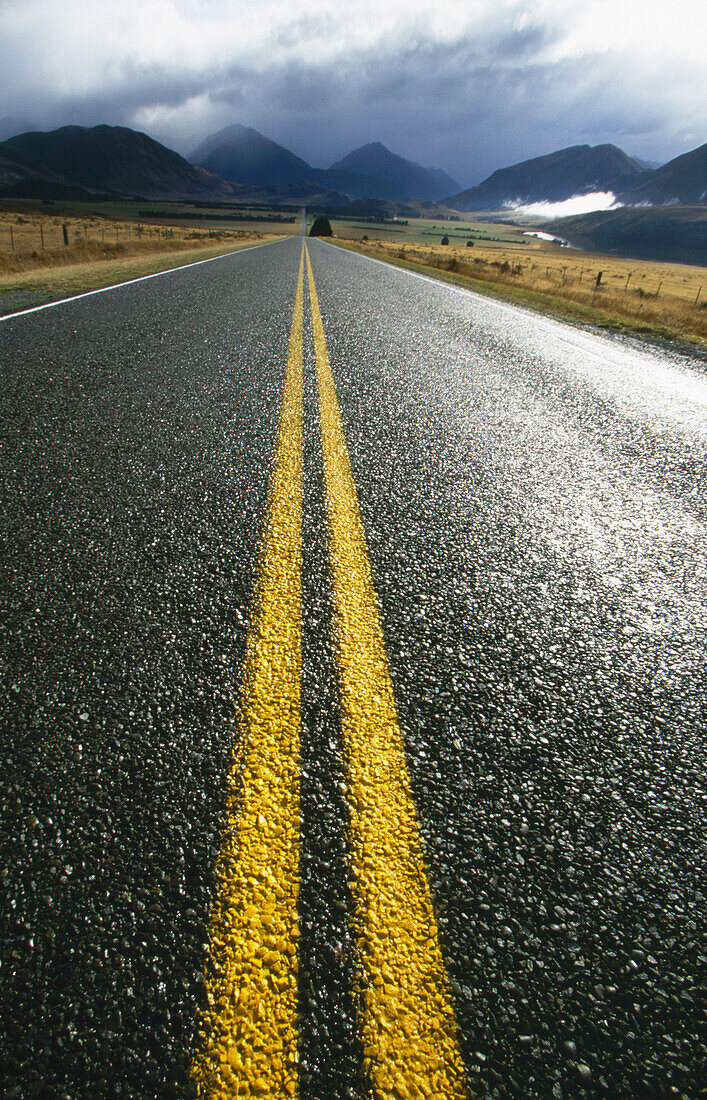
{"x":81,"y":206}
{"x":645,"y":298}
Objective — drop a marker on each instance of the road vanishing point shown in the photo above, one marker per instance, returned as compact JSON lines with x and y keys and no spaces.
{"x":354,"y":694}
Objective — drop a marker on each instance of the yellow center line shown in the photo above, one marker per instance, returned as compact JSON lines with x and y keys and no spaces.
{"x":248,"y":1032}
{"x":406,"y":1014}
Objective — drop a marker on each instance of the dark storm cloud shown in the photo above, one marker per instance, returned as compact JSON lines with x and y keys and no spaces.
{"x":481,"y":98}
{"x":132,"y":87}
{"x":136,"y":87}
{"x":450,"y":105}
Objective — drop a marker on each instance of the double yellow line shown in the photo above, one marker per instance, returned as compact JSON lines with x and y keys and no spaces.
{"x":249,"y":1030}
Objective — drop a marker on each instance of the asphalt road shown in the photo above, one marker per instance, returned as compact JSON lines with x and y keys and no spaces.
{"x":533,"y":503}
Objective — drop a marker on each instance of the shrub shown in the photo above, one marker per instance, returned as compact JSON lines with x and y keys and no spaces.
{"x":321,"y":227}
{"x":445,"y":239}
{"x":469,"y":244}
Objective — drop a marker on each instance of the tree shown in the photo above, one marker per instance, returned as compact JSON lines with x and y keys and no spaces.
{"x":469,"y":244}
{"x":321,"y":227}
{"x":445,"y":239}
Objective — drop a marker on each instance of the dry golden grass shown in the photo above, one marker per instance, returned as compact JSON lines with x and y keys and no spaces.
{"x":23,"y":233}
{"x":29,"y":241}
{"x":639,"y":294}
{"x":93,"y":252}
{"x":80,"y":274}
{"x":101,"y":250}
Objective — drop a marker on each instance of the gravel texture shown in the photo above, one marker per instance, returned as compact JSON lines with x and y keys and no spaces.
{"x":534,"y":502}
{"x":541,"y":567}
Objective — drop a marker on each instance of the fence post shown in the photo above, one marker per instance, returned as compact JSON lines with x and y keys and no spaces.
{"x":41,"y":234}
{"x":12,"y":240}
{"x":65,"y":231}
{"x":627,"y":279}
{"x":698,"y":295}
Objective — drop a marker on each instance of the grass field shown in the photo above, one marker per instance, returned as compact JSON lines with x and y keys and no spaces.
{"x":111,"y":242}
{"x":20,"y":290}
{"x":430,"y":231}
{"x":36,"y":265}
{"x":662,"y":299}
{"x":32,"y":228}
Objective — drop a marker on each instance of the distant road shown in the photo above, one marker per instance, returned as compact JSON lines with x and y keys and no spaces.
{"x":354,"y":693}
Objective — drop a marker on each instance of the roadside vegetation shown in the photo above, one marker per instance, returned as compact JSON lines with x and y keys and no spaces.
{"x":429,"y":230}
{"x":642,"y":296}
{"x":47,"y":256}
{"x":51,"y":250}
{"x":321,"y":227}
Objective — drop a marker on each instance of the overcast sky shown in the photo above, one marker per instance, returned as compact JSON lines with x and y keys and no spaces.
{"x":465,"y":85}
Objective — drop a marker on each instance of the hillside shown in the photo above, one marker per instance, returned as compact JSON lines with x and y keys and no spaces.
{"x":13,"y":172}
{"x":682,"y":180}
{"x":108,"y":159}
{"x":576,"y":170}
{"x":373,"y":171}
{"x":674,"y":233}
{"x":306,"y":193}
{"x":242,"y":155}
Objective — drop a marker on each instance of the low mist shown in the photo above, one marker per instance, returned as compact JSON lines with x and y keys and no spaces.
{"x":577,"y":204}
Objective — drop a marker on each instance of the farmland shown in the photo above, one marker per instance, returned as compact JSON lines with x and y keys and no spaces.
{"x":644,"y":296}
{"x":51,"y":251}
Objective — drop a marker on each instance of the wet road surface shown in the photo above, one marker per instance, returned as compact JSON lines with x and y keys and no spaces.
{"x":477,"y":828}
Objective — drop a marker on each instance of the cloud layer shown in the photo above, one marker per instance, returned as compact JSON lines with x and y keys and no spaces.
{"x":578,"y":204}
{"x":466,"y":85}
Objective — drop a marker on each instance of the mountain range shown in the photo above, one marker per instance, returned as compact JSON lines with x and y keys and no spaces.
{"x":110,"y":160}
{"x":552,"y":178}
{"x":242,"y":155}
{"x":681,"y":181}
{"x":238,"y":163}
{"x":582,"y":169}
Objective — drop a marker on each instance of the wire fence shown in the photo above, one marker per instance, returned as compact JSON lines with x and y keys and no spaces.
{"x":27,"y":235}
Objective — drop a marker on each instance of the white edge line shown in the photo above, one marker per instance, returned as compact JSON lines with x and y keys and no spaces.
{"x":139,"y":279}
{"x":541,"y":319}
{"x":552,"y":323}
{"x":466,"y":292}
